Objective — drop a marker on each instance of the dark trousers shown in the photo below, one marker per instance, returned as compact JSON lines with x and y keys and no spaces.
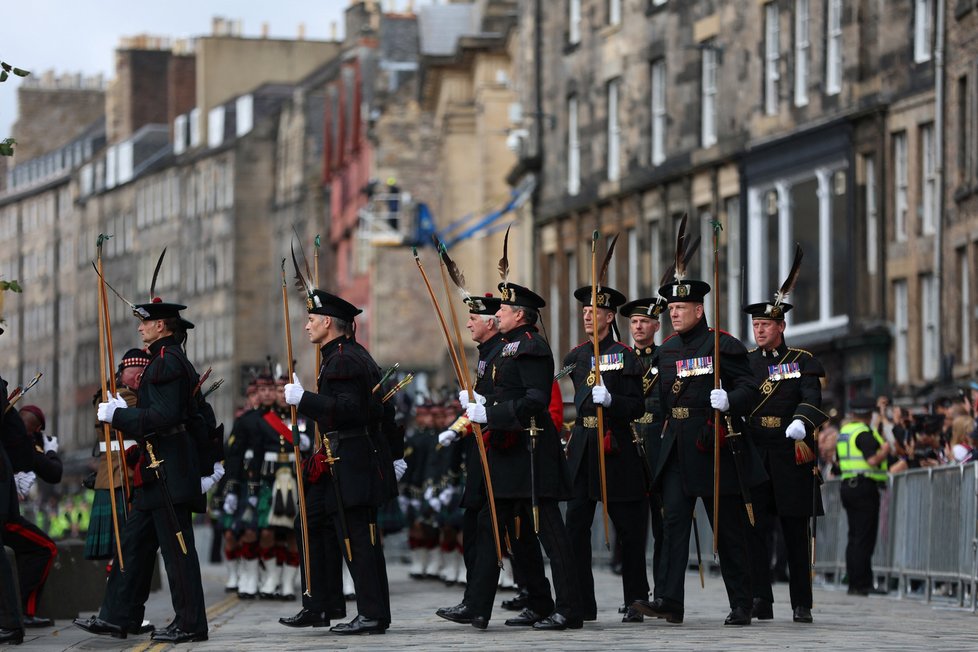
{"x":655,"y":518}
{"x":368,"y":568}
{"x":861,"y":500}
{"x":126,"y":592}
{"x":35,"y":553}
{"x":470,"y":529}
{"x":759,"y":539}
{"x":555,"y":541}
{"x":325,"y":571}
{"x":677,"y":523}
{"x":10,"y":617}
{"x":631,"y":525}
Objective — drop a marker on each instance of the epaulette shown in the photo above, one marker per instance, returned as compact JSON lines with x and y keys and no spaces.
{"x":801,"y":351}
{"x":624,"y":345}
{"x":752,"y":350}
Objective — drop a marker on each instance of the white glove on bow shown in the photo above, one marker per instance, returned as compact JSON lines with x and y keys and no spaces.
{"x":795,"y":430}
{"x":207,"y":482}
{"x":476,"y":413}
{"x":600,"y":395}
{"x":719,"y":400}
{"x":463,"y":397}
{"x":231,"y":504}
{"x":400,"y":467}
{"x":293,"y":391}
{"x":108,"y":408}
{"x":50,"y":444}
{"x":447,"y":437}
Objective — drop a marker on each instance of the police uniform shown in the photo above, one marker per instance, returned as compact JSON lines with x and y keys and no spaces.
{"x":791,"y":391}
{"x":166,"y":489}
{"x":860,"y":489}
{"x":350,"y":487}
{"x":685,"y":468}
{"x":621,"y":374}
{"x":522,"y":377}
{"x":649,"y":426}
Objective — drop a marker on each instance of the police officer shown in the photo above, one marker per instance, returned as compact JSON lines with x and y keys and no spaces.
{"x":685,"y":467}
{"x":782,"y":427}
{"x":863,"y":455}
{"x":167,"y":482}
{"x":620,"y":396}
{"x":351,"y":487}
{"x":643,"y":323}
{"x":522,"y":378}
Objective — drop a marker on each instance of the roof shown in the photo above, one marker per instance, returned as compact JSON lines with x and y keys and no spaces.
{"x":440,"y":27}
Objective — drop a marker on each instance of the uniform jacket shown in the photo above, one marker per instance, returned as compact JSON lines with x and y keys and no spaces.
{"x":790,"y":389}
{"x":341,"y":407}
{"x":474,"y":494}
{"x":14,"y":443}
{"x":689,"y":441}
{"x":163,"y":406}
{"x":621,"y":373}
{"x":649,"y":425}
{"x":522,"y":376}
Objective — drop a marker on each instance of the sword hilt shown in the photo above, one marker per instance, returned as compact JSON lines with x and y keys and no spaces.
{"x":153,"y":462}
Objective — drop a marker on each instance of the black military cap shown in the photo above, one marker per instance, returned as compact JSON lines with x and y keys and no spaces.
{"x":487,"y":305}
{"x":862,"y":405}
{"x":517,"y":295}
{"x":608,"y":298}
{"x":159,"y":309}
{"x":650,"y":307}
{"x":680,"y":291}
{"x":324,"y":303}
{"x":768,"y":310}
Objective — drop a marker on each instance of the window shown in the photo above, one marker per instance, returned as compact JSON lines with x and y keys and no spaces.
{"x":215,"y":126}
{"x":731,"y":231}
{"x":614,"y":12}
{"x":194,"y":127}
{"x":833,"y":48}
{"x":554,"y":302}
{"x":180,"y":134}
{"x":772,"y":38}
{"x":573,"y":148}
{"x":614,"y":132}
{"x":708,"y":92}
{"x":964,"y":353}
{"x":574,"y":21}
{"x":963,"y":132}
{"x":901,"y":321}
{"x":872,"y":215}
{"x":658,"y":112}
{"x":634,"y":255}
{"x":930,"y":355}
{"x":244,"y":114}
{"x":928,"y":180}
{"x":900,"y":181}
{"x":923,"y":31}
{"x":803,"y":51}
{"x":573,"y":319}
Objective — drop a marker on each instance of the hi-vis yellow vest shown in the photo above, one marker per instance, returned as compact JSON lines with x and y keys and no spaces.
{"x":852,"y":463}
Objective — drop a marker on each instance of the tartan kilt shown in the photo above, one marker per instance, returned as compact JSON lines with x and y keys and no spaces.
{"x":100,"y":540}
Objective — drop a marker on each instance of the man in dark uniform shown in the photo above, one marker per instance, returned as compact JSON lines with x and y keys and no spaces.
{"x":522,"y":376}
{"x":35,"y":551}
{"x":643,"y":323}
{"x":166,"y":483}
{"x":483,"y":326}
{"x":782,"y":427}
{"x":620,"y":395}
{"x":15,"y":450}
{"x":685,"y":467}
{"x":352,"y":489}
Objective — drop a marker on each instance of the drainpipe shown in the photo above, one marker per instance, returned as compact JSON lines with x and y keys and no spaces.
{"x":538,"y":111}
{"x":939,"y":160}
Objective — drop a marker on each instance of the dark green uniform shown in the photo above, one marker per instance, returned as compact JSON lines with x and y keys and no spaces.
{"x":649,"y":428}
{"x":789,"y":382}
{"x":621,"y":374}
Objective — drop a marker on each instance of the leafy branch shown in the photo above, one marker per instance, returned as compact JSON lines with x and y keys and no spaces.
{"x":7,"y":144}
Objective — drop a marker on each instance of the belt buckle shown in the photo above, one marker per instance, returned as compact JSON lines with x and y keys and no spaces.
{"x":589,"y":422}
{"x":770,"y":422}
{"x":283,"y":457}
{"x":680,"y":413}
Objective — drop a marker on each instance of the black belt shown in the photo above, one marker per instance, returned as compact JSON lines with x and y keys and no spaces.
{"x":770,"y":422}
{"x":340,"y":435}
{"x":687,"y":412}
{"x":175,"y":430}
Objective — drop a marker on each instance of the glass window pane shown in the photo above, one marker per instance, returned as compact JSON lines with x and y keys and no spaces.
{"x":805,"y":229}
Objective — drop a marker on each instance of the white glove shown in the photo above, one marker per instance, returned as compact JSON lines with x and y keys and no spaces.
{"x":404,"y":503}
{"x":293,"y":391}
{"x":231,"y":504}
{"x":50,"y":444}
{"x":795,"y":430}
{"x":463,"y":397}
{"x":400,"y":467}
{"x":447,"y":437}
{"x":435,"y":505}
{"x":24,"y":483}
{"x":253,"y":501}
{"x":209,"y":481}
{"x":719,"y":400}
{"x":476,"y":413}
{"x":304,"y":442}
{"x":429,"y":493}
{"x":446,"y":495}
{"x":600,"y":395}
{"x":108,"y":408}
